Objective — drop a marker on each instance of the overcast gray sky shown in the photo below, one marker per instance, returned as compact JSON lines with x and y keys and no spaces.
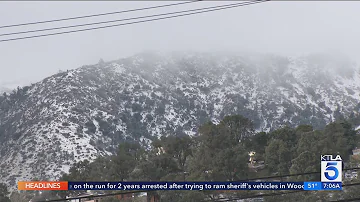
{"x":292,"y":27}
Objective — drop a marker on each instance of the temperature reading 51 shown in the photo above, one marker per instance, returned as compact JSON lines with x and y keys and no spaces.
{"x":312,"y":186}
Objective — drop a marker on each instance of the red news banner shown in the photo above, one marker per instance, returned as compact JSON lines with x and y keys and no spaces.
{"x":43,"y":185}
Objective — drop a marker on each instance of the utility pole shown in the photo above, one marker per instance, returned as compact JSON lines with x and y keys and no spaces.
{"x":185,"y":173}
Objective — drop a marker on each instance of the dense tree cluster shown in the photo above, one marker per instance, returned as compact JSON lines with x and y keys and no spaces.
{"x":221,"y":153}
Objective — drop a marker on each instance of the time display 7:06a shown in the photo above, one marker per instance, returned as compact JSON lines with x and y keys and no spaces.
{"x":331,"y":186}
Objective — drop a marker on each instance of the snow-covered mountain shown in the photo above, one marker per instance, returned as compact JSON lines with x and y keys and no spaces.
{"x":83,"y":113}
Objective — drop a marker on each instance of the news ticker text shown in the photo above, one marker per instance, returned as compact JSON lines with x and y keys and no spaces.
{"x":146,"y":186}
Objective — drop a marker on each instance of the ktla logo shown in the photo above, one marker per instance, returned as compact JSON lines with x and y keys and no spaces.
{"x":331,"y":168}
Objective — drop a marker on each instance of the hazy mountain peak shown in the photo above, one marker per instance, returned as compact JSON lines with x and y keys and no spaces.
{"x":82,"y":113}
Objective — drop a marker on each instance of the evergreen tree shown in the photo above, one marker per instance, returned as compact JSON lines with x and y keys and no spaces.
{"x":101,"y":61}
{"x":305,"y":162}
{"x":278,"y":157}
{"x":4,"y":193}
{"x":220,"y":152}
{"x":124,"y":162}
{"x":179,"y":148}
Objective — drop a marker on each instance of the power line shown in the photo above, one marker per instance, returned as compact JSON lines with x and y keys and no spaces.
{"x":281,"y":193}
{"x":291,"y":175}
{"x":95,"y":28}
{"x":253,"y":196}
{"x":109,"y":21}
{"x":96,"y":15}
{"x":214,"y":200}
{"x":350,"y":199}
{"x":96,"y":196}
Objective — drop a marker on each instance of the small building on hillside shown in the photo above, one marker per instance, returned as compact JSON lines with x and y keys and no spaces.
{"x":87,"y":198}
{"x":142,"y":197}
{"x":125,"y":196}
{"x":91,"y":200}
{"x":255,"y":165}
{"x":160,"y":150}
{"x":252,"y":157}
{"x":356,"y":151}
{"x":350,"y":175}
{"x":354,"y":162}
{"x":356,"y":154}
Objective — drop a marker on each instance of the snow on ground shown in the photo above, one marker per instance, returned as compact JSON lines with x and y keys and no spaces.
{"x":291,"y":91}
{"x":357,"y":128}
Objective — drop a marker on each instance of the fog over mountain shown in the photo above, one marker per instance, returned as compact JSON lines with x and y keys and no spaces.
{"x":281,"y":27}
{"x":84,"y":113}
{"x":75,"y":96}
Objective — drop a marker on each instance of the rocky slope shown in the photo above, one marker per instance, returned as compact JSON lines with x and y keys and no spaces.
{"x":83,"y":113}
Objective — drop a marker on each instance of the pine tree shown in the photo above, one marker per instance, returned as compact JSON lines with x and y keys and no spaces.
{"x":4,"y":193}
{"x":101,"y":61}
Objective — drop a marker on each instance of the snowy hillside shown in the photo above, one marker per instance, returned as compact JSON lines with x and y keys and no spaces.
{"x":86,"y":112}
